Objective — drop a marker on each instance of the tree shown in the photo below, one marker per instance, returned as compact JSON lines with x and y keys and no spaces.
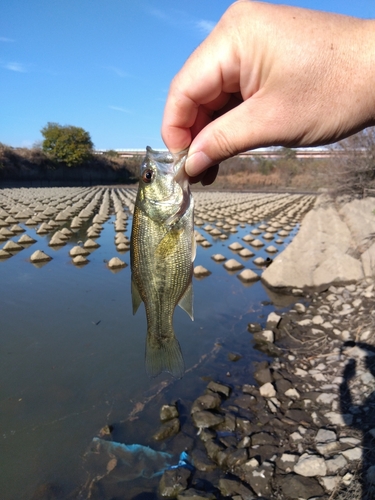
{"x":355,"y":163}
{"x":67,"y":144}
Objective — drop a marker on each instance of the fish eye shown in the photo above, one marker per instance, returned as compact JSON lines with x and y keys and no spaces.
{"x":147,"y":176}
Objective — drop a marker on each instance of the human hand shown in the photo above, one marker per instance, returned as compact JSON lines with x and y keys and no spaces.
{"x":271,"y":75}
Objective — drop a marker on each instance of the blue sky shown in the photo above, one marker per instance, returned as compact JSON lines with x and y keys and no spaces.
{"x":104,"y":65}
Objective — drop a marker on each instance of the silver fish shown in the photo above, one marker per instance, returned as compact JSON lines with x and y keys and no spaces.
{"x":162,"y":254}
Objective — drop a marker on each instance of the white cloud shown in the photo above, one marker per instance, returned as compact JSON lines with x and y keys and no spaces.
{"x":15,"y":66}
{"x":205,"y":27}
{"x":119,"y":108}
{"x":5,"y":39}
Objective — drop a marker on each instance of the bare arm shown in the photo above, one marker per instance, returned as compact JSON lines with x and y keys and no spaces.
{"x":271,"y":75}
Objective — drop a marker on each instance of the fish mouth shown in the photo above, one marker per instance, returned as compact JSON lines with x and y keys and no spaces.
{"x":165,"y":161}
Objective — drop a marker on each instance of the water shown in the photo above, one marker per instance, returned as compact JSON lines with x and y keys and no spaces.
{"x":72,"y":353}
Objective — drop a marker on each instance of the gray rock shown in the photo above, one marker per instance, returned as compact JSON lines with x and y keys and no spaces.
{"x":206,"y":402}
{"x":174,"y":481}
{"x":220,"y":388}
{"x":298,"y":487}
{"x":230,"y":488}
{"x":267,"y":390}
{"x":287,"y":462}
{"x":167,"y":412}
{"x":206,"y":419}
{"x":193,"y":494}
{"x":335,"y":464}
{"x":259,"y":479}
{"x":310,"y":466}
{"x":263,"y":376}
{"x":167,"y":430}
{"x":273,"y":320}
{"x":202,"y":462}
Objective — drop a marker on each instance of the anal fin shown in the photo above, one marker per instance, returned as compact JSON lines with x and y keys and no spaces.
{"x":186,"y":302}
{"x":136,"y":297}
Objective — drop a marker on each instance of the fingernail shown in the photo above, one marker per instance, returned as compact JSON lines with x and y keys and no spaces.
{"x":196,"y":163}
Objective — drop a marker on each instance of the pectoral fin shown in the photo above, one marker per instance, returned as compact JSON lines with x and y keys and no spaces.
{"x":136,"y":298}
{"x":186,"y":302}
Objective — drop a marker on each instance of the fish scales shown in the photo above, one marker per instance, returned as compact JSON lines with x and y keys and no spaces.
{"x":162,"y":253}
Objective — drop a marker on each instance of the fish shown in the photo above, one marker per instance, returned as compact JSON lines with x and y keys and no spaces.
{"x":162,"y":252}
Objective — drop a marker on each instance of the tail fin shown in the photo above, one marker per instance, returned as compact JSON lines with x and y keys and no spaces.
{"x":164,"y":356}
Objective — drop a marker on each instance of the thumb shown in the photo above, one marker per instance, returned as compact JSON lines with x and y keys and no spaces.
{"x":252,"y":124}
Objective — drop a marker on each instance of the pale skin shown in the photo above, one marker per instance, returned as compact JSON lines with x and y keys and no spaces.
{"x":271,"y":75}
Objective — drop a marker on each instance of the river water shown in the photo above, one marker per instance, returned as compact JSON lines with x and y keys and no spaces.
{"x":72,"y":353}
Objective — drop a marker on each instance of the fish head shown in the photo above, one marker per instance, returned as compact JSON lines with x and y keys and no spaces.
{"x":163,"y":191}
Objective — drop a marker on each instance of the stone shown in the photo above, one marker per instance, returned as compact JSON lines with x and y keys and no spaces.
{"x":271,"y":249}
{"x":116,"y":263}
{"x":267,"y":390}
{"x":299,"y":487}
{"x":325,"y":436}
{"x":259,"y":479}
{"x":201,"y":461}
{"x":257,"y":243}
{"x":310,"y":466}
{"x":201,"y":271}
{"x":193,"y":494}
{"x":89,"y":243}
{"x":245,"y":253}
{"x":235,"y":246}
{"x":39,"y":256}
{"x":220,"y":388}
{"x":217,"y":257}
{"x":26,"y":240}
{"x":247,"y":276}
{"x":287,"y":462}
{"x":273,"y":320}
{"x":4,"y":254}
{"x":353,"y":454}
{"x":231,"y":487}
{"x":80,"y":260}
{"x":263,"y":376}
{"x":11,"y":246}
{"x":167,"y":412}
{"x":167,"y":430}
{"x":77,"y":250}
{"x":335,"y":464}
{"x":233,"y":265}
{"x":210,"y":401}
{"x":174,"y":481}
{"x":206,"y":419}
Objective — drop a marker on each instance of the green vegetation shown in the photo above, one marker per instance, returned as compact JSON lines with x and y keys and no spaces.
{"x":67,"y":144}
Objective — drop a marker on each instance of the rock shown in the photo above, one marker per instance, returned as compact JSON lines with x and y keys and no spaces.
{"x":116,"y":263}
{"x":235,"y":246}
{"x":259,"y":479}
{"x":26,"y":240}
{"x":267,"y":390}
{"x":230,"y":487}
{"x":39,"y":256}
{"x":193,"y":494}
{"x":257,"y":243}
{"x":167,"y":430}
{"x":335,"y":464}
{"x":330,"y":483}
{"x":210,"y":401}
{"x":233,"y":265}
{"x":217,"y":257}
{"x":91,"y":244}
{"x":206,"y":419}
{"x":77,"y":250}
{"x":4,"y":254}
{"x":80,"y":260}
{"x":325,"y":436}
{"x":287,"y":462}
{"x":167,"y":412}
{"x":11,"y":247}
{"x":245,"y":253}
{"x":174,"y":481}
{"x":202,"y":462}
{"x":298,"y":487}
{"x":220,"y":388}
{"x":353,"y":454}
{"x":271,"y":249}
{"x":264,"y":336}
{"x":263,"y":376}
{"x":234,"y":356}
{"x":201,"y":271}
{"x":310,"y":466}
{"x":273,"y":320}
{"x":247,"y":275}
